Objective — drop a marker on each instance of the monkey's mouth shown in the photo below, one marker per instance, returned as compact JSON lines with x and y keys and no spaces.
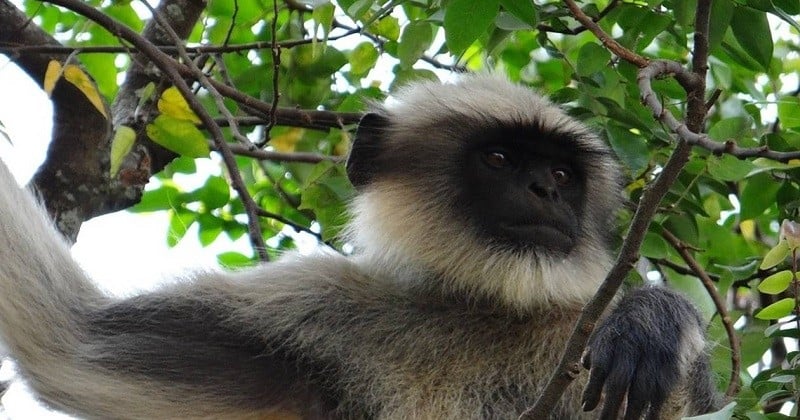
{"x":548,"y":236}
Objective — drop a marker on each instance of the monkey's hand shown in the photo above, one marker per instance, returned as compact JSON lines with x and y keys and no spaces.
{"x":641,"y":351}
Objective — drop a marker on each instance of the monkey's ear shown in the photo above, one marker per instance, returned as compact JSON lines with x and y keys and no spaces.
{"x":362,"y":163}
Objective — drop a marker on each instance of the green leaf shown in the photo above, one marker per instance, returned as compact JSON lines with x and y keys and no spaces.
{"x":388,"y":27}
{"x":776,"y":283}
{"x":124,"y":12}
{"x":777,"y":310}
{"x":215,"y":193}
{"x":323,"y":18}
{"x":775,"y":255}
{"x":758,"y":195}
{"x":403,"y":77}
{"x":789,"y":111}
{"x":730,"y":128}
{"x":631,"y":148}
{"x":363,"y":58}
{"x":209,"y":228}
{"x":728,"y":168}
{"x":121,"y":145}
{"x":179,"y":136}
{"x":724,"y":413}
{"x":751,"y":29}
{"x":358,"y":8}
{"x":522,"y":10}
{"x":234,"y":260}
{"x":417,"y":37}
{"x":179,"y":223}
{"x":654,"y":246}
{"x":783,"y":9}
{"x":164,"y":198}
{"x":721,"y":12}
{"x":466,"y":20}
{"x":507,"y":22}
{"x":592,"y":58}
{"x":326,"y":191}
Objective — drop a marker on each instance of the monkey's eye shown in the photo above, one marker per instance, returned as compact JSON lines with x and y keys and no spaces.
{"x":496,"y":159}
{"x":562,"y":175}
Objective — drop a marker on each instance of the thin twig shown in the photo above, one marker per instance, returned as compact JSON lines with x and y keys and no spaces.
{"x":10,"y":47}
{"x":680,"y":269}
{"x":276,"y":70}
{"x":727,"y":322}
{"x":233,"y":22}
{"x":605,"y":38}
{"x":295,"y":157}
{"x":579,"y":29}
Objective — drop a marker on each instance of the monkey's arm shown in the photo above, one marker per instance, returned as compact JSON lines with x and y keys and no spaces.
{"x":650,"y":346}
{"x":185,"y":352}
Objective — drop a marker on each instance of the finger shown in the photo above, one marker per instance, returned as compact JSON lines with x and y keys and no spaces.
{"x":594,"y":388}
{"x":655,"y":409}
{"x":616,"y":387}
{"x":635,"y":408}
{"x":643,"y":392}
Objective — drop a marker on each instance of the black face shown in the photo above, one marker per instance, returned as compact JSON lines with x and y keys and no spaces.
{"x":524,"y":189}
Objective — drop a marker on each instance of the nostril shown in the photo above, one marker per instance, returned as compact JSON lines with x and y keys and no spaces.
{"x":544,"y":192}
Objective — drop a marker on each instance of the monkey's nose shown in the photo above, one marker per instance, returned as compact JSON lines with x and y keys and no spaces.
{"x":544,"y":190}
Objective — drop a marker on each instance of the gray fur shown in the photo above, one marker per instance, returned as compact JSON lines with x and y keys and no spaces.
{"x":425,"y":321}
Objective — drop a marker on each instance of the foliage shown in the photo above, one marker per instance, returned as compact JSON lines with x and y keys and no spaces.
{"x":725,"y":209}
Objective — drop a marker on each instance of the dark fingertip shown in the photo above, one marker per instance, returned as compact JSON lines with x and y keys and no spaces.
{"x":611,"y":408}
{"x":587,"y":407}
{"x":635,"y":409}
{"x":590,"y":399}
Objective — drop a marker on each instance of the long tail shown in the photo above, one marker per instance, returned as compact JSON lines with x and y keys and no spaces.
{"x":81,"y":352}
{"x":43,"y":293}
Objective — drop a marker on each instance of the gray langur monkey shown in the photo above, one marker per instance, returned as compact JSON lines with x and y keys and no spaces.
{"x":480,"y":227}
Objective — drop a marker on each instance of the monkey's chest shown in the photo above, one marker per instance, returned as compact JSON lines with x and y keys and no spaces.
{"x":478,"y":370}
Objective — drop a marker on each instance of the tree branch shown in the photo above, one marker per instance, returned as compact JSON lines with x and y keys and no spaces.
{"x":15,"y":48}
{"x":296,"y":157}
{"x":662,"y":67}
{"x":605,"y":38}
{"x":75,"y":168}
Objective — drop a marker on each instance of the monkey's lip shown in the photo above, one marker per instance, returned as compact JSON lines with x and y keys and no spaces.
{"x":546,"y":235}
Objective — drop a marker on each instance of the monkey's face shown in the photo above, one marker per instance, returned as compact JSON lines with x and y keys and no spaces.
{"x":487,"y":186}
{"x":523,"y":189}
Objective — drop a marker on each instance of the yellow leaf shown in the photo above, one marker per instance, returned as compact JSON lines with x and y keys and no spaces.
{"x":343,"y":147}
{"x":121,"y":145}
{"x":748,"y":229}
{"x":84,"y":83}
{"x":174,"y":105}
{"x":287,"y":141}
{"x":51,"y":76}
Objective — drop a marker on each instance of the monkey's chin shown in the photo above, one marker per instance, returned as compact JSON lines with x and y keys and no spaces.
{"x":540,"y":236}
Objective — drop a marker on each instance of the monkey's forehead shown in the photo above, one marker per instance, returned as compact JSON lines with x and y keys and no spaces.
{"x":482,"y":100}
